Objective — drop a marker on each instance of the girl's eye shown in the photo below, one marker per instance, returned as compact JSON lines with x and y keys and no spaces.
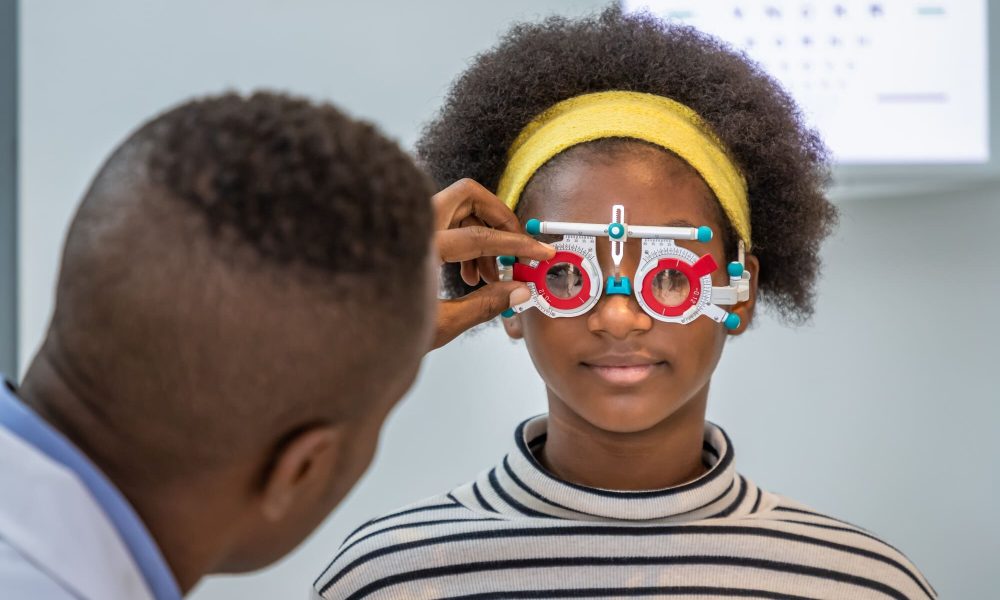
{"x":671,"y":287}
{"x":564,"y":280}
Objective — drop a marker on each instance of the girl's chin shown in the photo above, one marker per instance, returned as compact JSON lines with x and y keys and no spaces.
{"x":631,"y":415}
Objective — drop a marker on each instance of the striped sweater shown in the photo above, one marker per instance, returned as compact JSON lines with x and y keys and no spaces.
{"x":518,"y":532}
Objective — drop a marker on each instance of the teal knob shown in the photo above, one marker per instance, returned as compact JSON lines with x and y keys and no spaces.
{"x":732,"y":321}
{"x":507,"y":261}
{"x":533,"y":226}
{"x":735,"y":269}
{"x":704,"y":234}
{"x":507,"y":313}
{"x":616,"y":231}
{"x":618,"y":287}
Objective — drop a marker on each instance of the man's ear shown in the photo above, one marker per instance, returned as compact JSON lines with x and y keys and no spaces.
{"x":745,"y":310}
{"x":302,"y":470}
{"x":513,"y":327}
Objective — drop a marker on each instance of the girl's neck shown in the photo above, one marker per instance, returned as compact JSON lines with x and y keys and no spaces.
{"x":665,"y":455}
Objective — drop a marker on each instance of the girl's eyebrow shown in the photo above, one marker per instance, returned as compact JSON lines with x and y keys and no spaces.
{"x":678,"y":223}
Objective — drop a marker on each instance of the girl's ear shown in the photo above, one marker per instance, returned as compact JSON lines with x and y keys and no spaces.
{"x":513,"y":327}
{"x":745,"y":310}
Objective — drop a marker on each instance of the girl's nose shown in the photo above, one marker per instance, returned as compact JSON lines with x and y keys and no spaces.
{"x":619,"y":316}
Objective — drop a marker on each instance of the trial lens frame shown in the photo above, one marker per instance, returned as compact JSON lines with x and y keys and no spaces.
{"x":688,"y":277}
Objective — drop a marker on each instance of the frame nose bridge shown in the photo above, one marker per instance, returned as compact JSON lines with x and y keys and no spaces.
{"x":630,"y":260}
{"x":629,"y":267}
{"x":615,"y":299}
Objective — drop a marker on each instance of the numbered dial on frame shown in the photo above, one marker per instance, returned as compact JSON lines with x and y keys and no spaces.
{"x":674,"y":285}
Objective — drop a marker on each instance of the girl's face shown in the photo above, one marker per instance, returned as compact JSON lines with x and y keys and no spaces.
{"x":615,"y":366}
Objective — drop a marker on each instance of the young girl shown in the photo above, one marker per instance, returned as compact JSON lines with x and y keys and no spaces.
{"x":623,"y":489}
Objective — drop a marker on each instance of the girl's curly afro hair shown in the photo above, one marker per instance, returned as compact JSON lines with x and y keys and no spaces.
{"x":536,"y":65}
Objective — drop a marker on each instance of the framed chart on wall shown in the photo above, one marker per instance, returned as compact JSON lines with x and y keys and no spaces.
{"x":887,"y":83}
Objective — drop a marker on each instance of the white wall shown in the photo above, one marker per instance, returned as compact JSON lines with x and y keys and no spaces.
{"x":883,"y":412}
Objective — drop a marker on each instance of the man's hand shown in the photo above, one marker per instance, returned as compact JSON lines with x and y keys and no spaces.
{"x":473,"y":227}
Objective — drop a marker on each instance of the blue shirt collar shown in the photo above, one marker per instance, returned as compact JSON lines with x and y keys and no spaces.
{"x":23,"y":422}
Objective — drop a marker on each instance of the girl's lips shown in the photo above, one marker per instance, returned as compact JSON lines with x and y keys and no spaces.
{"x":624,"y":374}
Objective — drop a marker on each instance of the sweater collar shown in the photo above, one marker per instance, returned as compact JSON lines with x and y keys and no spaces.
{"x":526,"y":488}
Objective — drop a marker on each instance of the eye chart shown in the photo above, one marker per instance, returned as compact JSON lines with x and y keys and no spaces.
{"x":892,"y":81}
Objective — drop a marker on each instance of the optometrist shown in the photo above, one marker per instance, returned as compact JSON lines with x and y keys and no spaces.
{"x":221,"y":357}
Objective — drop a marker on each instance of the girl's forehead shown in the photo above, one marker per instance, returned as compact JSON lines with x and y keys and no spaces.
{"x":654,"y":189}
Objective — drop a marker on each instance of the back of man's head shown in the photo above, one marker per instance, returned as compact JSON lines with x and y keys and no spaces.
{"x":242,"y":270}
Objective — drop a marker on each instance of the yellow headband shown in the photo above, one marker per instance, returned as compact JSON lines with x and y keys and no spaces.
{"x":647,"y":117}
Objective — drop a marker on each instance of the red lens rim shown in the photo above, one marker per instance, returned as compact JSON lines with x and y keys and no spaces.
{"x":536,"y":275}
{"x":704,"y":266}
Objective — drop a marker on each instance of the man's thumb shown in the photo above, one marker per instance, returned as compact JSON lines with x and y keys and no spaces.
{"x":457,"y":316}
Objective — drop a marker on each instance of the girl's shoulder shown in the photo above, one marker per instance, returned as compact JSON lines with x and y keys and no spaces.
{"x":795,"y":524}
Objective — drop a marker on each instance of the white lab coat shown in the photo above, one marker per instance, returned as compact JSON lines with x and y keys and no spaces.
{"x":55,"y":540}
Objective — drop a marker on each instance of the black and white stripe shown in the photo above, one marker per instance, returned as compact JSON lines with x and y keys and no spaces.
{"x":518,"y":532}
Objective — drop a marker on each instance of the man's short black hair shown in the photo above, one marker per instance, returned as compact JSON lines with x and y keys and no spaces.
{"x":537,"y":65}
{"x":301,"y":183}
